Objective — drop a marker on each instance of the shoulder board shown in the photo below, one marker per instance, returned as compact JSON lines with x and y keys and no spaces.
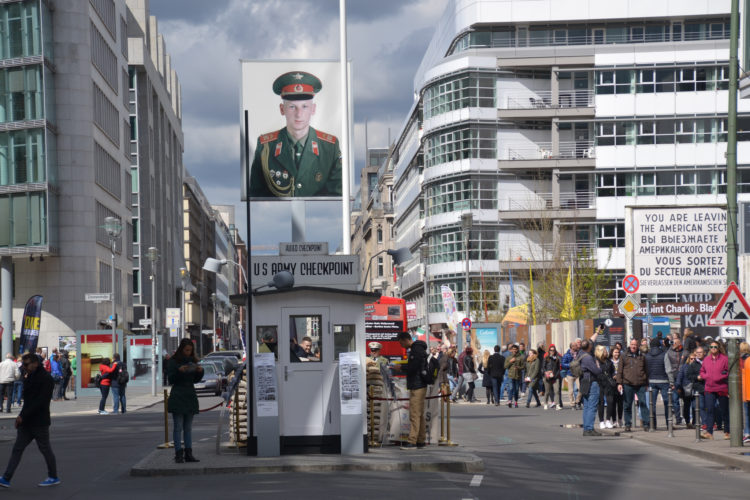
{"x":326,"y":137}
{"x":271,"y":136}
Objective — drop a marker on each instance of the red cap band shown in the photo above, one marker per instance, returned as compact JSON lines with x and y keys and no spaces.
{"x":297,"y":88}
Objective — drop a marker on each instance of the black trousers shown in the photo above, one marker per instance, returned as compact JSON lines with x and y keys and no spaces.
{"x":6,"y":390}
{"x":24,"y":437}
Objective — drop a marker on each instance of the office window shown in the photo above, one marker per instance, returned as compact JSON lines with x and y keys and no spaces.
{"x":107,"y":171}
{"x":106,"y":116}
{"x":611,"y":236}
{"x":21,"y":96}
{"x":467,"y":91}
{"x":23,"y":219}
{"x":461,"y":144}
{"x":381,"y":269}
{"x":104,"y":59}
{"x":20,"y":34}
{"x":460,"y":195}
{"x":107,"y":13}
{"x":22,"y":157}
{"x":102,"y":213}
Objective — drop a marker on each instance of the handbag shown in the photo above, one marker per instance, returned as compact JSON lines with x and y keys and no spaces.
{"x":548,"y":374}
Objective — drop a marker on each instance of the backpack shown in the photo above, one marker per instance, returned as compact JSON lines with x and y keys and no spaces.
{"x":98,"y":380}
{"x":429,"y":375}
{"x":575,"y":366}
{"x":123,"y":377}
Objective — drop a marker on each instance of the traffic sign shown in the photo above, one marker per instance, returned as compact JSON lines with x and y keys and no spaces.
{"x":732,"y":309}
{"x":172,"y":317}
{"x":466,"y":323}
{"x":145,"y":322}
{"x":631,"y":283}
{"x":98,"y":297}
{"x":732,"y":332}
{"x":629,"y":307}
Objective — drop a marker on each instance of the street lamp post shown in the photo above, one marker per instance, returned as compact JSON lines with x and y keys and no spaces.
{"x":467,"y":220}
{"x":113,"y":226}
{"x":153,"y":256}
{"x":424,"y":252}
{"x":213,"y":303}
{"x":185,"y":278}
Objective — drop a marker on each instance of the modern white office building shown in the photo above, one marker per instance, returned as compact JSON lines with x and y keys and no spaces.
{"x":558,"y":111}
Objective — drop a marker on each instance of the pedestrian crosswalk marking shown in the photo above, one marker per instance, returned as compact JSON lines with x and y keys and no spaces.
{"x":476,"y":480}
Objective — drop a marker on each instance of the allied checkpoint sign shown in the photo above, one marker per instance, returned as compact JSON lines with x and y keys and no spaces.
{"x":341,"y":271}
{"x":678,"y":249}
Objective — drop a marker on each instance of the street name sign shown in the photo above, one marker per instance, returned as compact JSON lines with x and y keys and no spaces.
{"x":732,"y":309}
{"x":629,"y":307}
{"x":145,"y":322}
{"x":98,"y":297}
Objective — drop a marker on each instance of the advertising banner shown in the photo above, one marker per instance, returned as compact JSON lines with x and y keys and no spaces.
{"x":32,"y":318}
{"x":486,"y":338}
{"x":611,"y":331}
{"x":383,"y":322}
{"x":678,"y":249}
{"x":291,"y":128}
{"x":411,"y":311}
{"x":449,"y":305}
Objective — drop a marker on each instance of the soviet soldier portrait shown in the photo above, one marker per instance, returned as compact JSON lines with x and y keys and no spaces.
{"x":298,"y":160}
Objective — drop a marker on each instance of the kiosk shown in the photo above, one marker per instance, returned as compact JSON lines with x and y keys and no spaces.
{"x":308,"y":328}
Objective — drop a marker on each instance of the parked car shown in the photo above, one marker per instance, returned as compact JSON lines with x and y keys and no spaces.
{"x":219,"y":366}
{"x":236,"y":354}
{"x":229,"y":363}
{"x":211,"y":381}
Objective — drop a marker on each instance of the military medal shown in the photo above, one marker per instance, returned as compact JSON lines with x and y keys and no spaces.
{"x":285,"y":175}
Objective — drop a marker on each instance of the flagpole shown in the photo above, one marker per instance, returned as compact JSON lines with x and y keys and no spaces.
{"x":345,"y":138}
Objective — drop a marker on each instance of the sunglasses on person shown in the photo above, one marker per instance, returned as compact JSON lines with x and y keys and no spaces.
{"x":714,"y":347}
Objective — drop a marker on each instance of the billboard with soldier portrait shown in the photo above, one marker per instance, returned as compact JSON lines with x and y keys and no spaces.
{"x":291,"y":124}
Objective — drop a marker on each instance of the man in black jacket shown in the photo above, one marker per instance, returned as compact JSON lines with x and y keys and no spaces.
{"x":496,"y":370}
{"x":416,"y":370}
{"x":33,"y":422}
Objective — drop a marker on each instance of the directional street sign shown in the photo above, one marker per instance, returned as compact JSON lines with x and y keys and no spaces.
{"x":732,"y":309}
{"x":631,"y":283}
{"x":732,"y":332}
{"x":98,"y":297}
{"x":629,"y":307}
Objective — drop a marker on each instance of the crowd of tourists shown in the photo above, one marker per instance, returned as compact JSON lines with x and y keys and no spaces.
{"x":605,"y":383}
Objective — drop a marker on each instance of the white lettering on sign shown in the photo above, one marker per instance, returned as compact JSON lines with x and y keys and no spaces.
{"x":312,"y":270}
{"x":679,"y":249}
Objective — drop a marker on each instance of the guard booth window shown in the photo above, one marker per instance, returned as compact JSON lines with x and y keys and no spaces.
{"x":267,"y":339}
{"x":343,"y":339}
{"x":305,"y":342}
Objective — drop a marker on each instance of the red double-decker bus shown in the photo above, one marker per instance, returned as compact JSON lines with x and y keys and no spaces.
{"x":384,"y":320}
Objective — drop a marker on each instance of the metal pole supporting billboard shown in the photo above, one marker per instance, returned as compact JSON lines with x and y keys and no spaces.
{"x":735,"y":403}
{"x":345,"y":139}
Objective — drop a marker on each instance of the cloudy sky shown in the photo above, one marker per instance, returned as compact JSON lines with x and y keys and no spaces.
{"x":206,"y":40}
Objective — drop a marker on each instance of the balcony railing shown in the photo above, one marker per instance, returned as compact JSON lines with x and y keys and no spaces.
{"x":543,"y":151}
{"x":542,"y":99}
{"x":546,"y":201}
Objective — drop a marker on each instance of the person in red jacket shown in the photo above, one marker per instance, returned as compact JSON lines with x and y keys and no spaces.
{"x":715,"y":373}
{"x":106,"y":371}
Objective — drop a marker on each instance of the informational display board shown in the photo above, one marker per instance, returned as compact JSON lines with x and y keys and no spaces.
{"x":349,"y":377}
{"x":266,"y":392}
{"x":612,"y":333}
{"x":678,"y":249}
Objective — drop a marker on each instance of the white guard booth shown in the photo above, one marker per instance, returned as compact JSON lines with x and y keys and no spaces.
{"x":308,"y":328}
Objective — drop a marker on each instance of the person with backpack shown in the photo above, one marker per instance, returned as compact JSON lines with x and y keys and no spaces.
{"x":416,"y":371}
{"x":632,"y":380}
{"x":105,"y":382}
{"x":119,"y":382}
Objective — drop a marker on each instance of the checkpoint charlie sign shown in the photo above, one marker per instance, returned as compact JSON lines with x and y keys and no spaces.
{"x":308,"y":270}
{"x":678,"y":249}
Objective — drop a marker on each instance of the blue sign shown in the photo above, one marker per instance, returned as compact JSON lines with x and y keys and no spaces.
{"x":466,"y":323}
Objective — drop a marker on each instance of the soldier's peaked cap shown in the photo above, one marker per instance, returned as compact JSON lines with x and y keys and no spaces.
{"x":297,"y":86}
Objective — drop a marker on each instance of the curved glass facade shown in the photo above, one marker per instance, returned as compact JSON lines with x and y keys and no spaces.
{"x":473,"y":141}
{"x":471,"y":90}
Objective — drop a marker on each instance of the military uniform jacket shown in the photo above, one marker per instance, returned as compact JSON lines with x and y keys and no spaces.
{"x":274,"y":173}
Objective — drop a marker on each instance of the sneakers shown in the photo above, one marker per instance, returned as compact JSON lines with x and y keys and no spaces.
{"x":103,"y":412}
{"x":4,"y":482}
{"x":726,"y":435}
{"x":553,"y":406}
{"x":746,"y":439}
{"x":516,"y":404}
{"x":602,"y":425}
{"x":50,"y":481}
{"x":420,"y":446}
{"x":592,"y":433}
{"x":545,"y":406}
{"x":608,"y":424}
{"x":558,"y":407}
{"x":628,"y":428}
{"x":706,"y":435}
{"x":408,"y":446}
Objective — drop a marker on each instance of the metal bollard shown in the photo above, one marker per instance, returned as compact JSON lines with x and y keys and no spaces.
{"x":166,"y":443}
{"x":670,"y":416}
{"x":448,"y":441}
{"x":696,"y":419}
{"x":442,"y":439}
{"x":652,"y":405}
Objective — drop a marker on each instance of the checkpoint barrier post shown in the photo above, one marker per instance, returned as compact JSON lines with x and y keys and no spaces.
{"x":670,"y":416}
{"x":696,"y":417}
{"x":166,"y":444}
{"x":442,"y":439}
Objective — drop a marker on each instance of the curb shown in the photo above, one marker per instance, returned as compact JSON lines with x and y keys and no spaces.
{"x":466,"y":463}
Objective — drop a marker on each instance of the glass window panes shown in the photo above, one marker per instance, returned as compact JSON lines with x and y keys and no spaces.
{"x":22,"y":157}
{"x":461,"y":195}
{"x":267,"y":339}
{"x":23,"y":219}
{"x":20,"y":33}
{"x":305,"y":340}
{"x":21,"y":95}
{"x":468,"y":91}
{"x":461,"y":144}
{"x":344,"y":339}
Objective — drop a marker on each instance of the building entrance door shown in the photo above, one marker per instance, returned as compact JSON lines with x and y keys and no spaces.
{"x":305,"y":350}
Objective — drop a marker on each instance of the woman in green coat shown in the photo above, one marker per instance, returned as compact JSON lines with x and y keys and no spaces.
{"x":183,"y":371}
{"x":533,"y":374}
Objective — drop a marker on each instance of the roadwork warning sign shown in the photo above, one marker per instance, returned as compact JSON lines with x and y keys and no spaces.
{"x":679,"y":249}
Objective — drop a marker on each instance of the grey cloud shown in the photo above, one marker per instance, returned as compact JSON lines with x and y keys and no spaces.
{"x":193,"y":11}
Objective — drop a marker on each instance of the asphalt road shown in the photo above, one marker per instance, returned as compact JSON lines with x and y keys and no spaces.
{"x":527,"y":454}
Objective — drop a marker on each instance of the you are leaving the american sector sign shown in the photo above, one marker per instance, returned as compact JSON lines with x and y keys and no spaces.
{"x":679,"y":249}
